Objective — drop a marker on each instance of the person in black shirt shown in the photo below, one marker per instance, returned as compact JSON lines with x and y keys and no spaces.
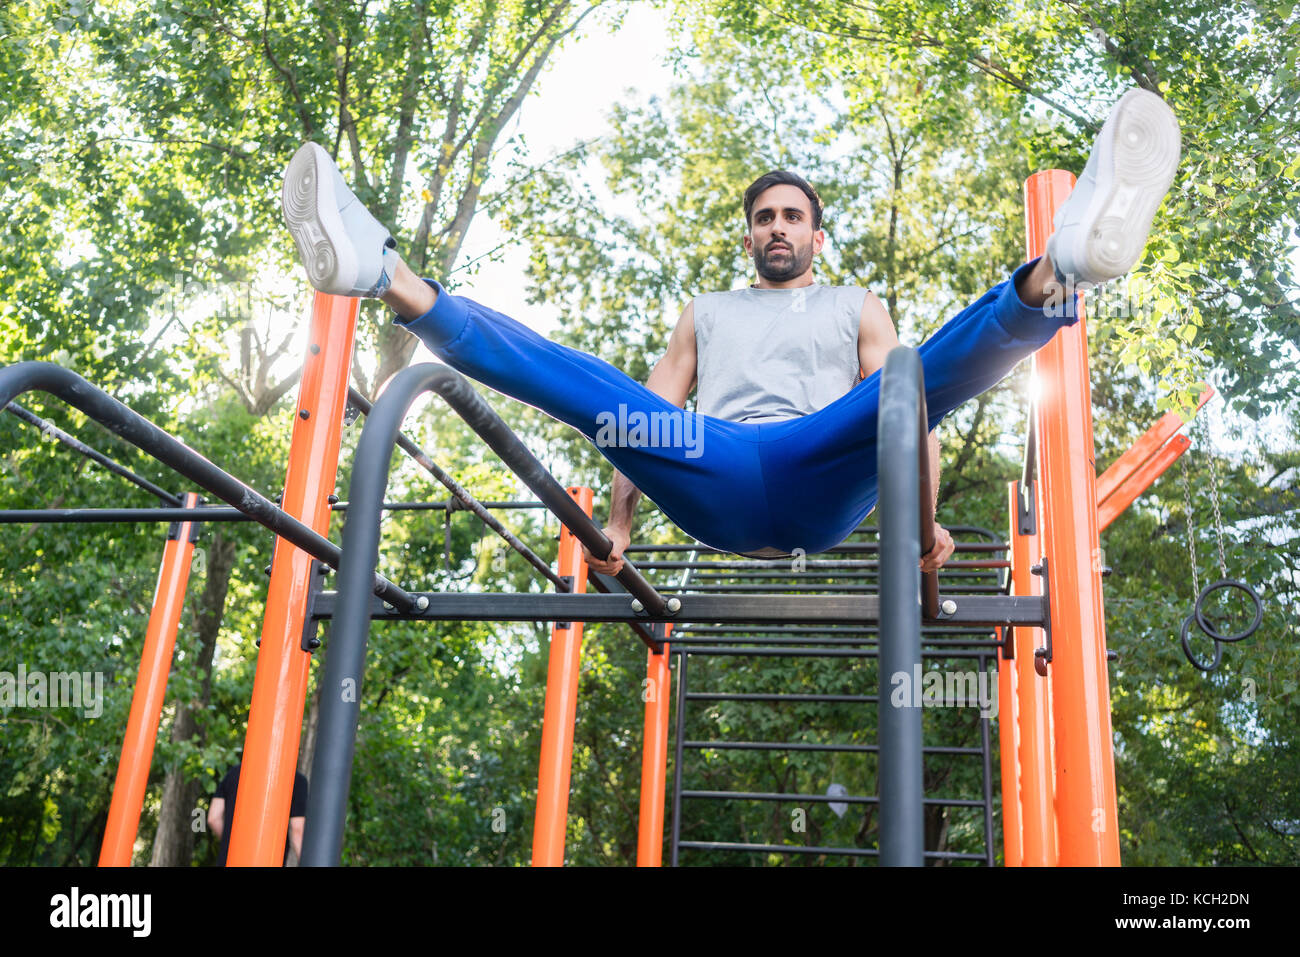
{"x":221,"y":814}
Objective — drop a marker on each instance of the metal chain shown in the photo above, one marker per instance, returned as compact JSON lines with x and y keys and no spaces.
{"x":1218,"y":519}
{"x":1191,"y":547}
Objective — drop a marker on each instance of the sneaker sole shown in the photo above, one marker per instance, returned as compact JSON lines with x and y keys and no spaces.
{"x":311,"y":213}
{"x":1145,"y":147}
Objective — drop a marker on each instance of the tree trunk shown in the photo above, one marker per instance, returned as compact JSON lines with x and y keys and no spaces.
{"x":174,"y":842}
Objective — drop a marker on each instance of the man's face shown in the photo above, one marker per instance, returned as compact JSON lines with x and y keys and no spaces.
{"x":781,"y":237}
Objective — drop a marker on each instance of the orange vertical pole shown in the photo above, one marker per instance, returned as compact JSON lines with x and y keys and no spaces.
{"x":280,"y":687}
{"x":561,"y":710}
{"x":1009,"y":753}
{"x":1139,"y":480}
{"x":1033,"y":711}
{"x":1150,"y":443}
{"x":654,"y":758}
{"x":1087,"y":818}
{"x":147,"y":699}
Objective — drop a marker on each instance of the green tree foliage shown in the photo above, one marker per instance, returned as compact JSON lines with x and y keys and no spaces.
{"x":1219,"y":289}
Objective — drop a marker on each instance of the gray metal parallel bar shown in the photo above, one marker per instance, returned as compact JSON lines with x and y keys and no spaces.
{"x":775,"y":636}
{"x":180,"y":458}
{"x":779,"y":849}
{"x":815,"y":589}
{"x":805,"y":746}
{"x":828,"y":851}
{"x":447,"y":504}
{"x":801,"y":652}
{"x":791,"y":640}
{"x":464,"y":498}
{"x":756,"y":567}
{"x":906,"y":533}
{"x":778,"y":746}
{"x":74,"y":443}
{"x":998,"y":545}
{"x":815,"y":798}
{"x":982,"y":610}
{"x":209,"y":513}
{"x":695,"y":629}
{"x":612,"y":586}
{"x":804,"y":698}
{"x":117,"y":516}
{"x":345,"y":660}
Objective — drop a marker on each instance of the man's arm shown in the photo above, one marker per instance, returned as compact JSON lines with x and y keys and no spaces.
{"x":876,"y":336}
{"x":673,"y":377}
{"x":296,"y":827}
{"x":217,"y":816}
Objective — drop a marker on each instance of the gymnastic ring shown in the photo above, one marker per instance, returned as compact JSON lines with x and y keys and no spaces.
{"x":1240,"y":586}
{"x":1191,"y":656}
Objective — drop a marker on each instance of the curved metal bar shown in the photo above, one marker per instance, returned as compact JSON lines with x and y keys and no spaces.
{"x":901,"y":440}
{"x":345,"y":660}
{"x":71,"y":388}
{"x":463,"y":498}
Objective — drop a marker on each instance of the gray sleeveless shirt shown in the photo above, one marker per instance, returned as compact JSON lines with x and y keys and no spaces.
{"x":769,"y":354}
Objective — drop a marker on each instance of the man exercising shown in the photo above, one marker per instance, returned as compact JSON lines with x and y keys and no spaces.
{"x":780,"y":456}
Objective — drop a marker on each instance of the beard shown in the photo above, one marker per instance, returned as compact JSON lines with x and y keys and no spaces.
{"x":784,"y":265}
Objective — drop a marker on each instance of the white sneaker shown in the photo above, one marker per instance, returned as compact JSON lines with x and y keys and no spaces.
{"x":347,"y":252}
{"x":1101,"y":228}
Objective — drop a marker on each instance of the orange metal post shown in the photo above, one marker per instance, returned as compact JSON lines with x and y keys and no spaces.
{"x":1087,"y":820}
{"x":1009,"y":753}
{"x":654,"y":758}
{"x":280,"y":687}
{"x":1142,"y":450}
{"x":1033,"y":712}
{"x":147,"y":699}
{"x":561,"y":710}
{"x":1140,"y":480}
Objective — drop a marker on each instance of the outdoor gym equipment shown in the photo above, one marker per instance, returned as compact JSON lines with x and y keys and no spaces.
{"x":1058,"y":788}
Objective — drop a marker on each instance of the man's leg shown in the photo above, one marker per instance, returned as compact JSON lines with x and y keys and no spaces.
{"x":702,"y":472}
{"x":830,"y":457}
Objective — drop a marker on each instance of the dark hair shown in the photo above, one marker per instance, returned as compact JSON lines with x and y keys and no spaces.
{"x":781,"y":177}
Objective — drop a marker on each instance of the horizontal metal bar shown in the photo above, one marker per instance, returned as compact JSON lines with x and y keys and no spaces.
{"x":779,"y":796}
{"x":209,"y":513}
{"x":684,"y":648}
{"x":759,"y":609}
{"x":756,"y":567}
{"x":118,"y":516}
{"x":814,"y":798}
{"x":822,"y":698}
{"x":180,"y":458}
{"x":828,"y":851}
{"x":777,"y":746}
{"x":814,"y":589}
{"x":803,"y":746}
{"x":779,"y":849}
{"x":74,"y":443}
{"x":452,"y":504}
{"x":612,"y":586}
{"x":697,"y":629}
{"x":840,"y":549}
{"x":973,"y":642}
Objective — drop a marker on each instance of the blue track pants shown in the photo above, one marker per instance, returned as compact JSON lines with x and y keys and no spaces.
{"x":803,"y":483}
